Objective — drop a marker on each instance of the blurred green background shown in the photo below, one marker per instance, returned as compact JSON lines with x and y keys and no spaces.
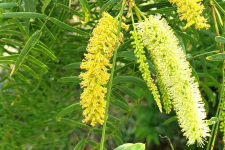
{"x":31,"y":100}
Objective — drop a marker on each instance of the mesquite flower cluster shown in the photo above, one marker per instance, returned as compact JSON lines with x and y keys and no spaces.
{"x":178,"y":88}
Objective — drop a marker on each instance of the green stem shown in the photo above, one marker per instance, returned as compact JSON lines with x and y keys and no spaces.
{"x":111,"y":79}
{"x":218,"y":113}
{"x":138,"y":12}
{"x":49,"y":15}
{"x":124,"y":119}
{"x":219,"y":110}
{"x":214,"y":19}
{"x":213,"y":135}
{"x":218,"y":6}
{"x":196,"y":56}
{"x":138,"y":15}
{"x":132,"y":19}
{"x":86,"y":139}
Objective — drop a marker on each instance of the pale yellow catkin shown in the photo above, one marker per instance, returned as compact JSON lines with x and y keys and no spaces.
{"x":175,"y":75}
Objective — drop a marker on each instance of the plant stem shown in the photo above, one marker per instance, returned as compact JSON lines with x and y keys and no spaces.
{"x":218,"y":112}
{"x":111,"y":79}
{"x":86,"y":140}
{"x":138,"y":12}
{"x":55,"y":3}
{"x":219,"y":109}
{"x":124,"y":119}
{"x":214,"y":19}
{"x":196,"y":56}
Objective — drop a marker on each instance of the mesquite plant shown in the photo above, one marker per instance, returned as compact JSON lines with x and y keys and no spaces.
{"x":112,"y":74}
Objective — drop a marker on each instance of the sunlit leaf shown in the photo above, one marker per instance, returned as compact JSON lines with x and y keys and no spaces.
{"x":131,"y":146}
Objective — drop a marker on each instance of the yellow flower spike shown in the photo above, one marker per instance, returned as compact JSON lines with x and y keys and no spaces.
{"x":96,"y":63}
{"x":144,"y":68}
{"x":175,"y":75}
{"x":191,"y":11}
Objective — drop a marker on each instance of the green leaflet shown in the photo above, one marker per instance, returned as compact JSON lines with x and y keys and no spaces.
{"x":108,"y":5}
{"x":218,"y":5}
{"x":72,"y":65}
{"x":118,"y":96}
{"x":128,"y":65}
{"x":28,"y":69}
{"x":128,"y":91}
{"x":155,"y":5}
{"x":47,"y":30}
{"x":66,"y":26}
{"x":162,"y":10}
{"x":171,"y":119}
{"x":85,"y":5}
{"x":38,"y":63}
{"x":117,"y":7}
{"x":114,"y":129}
{"x":11,"y":42}
{"x":21,"y":77}
{"x":100,"y":131}
{"x":23,"y":15}
{"x":69,"y":79}
{"x":125,"y":45}
{"x":130,"y":79}
{"x":192,"y":40}
{"x":19,"y":24}
{"x":7,"y":62}
{"x":68,"y":109}
{"x":8,"y":26}
{"x":86,"y":8}
{"x":220,"y":39}
{"x":206,"y":105}
{"x":17,"y":74}
{"x":95,"y":144}
{"x":120,"y":104}
{"x":11,"y":32}
{"x":46,"y":3}
{"x":69,"y":9}
{"x":45,"y":51}
{"x":82,"y":48}
{"x":113,"y":119}
{"x":11,"y":57}
{"x":118,"y":140}
{"x":217,"y":84}
{"x":30,"y":43}
{"x":209,"y":93}
{"x":216,"y":57}
{"x":74,"y":123}
{"x":128,"y":55}
{"x":80,"y":145}
{"x":212,"y":121}
{"x":8,"y":5}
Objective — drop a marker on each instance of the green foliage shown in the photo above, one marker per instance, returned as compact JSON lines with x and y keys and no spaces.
{"x":42,"y":44}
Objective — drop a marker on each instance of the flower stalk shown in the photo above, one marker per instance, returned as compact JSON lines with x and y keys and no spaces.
{"x":111,"y":77}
